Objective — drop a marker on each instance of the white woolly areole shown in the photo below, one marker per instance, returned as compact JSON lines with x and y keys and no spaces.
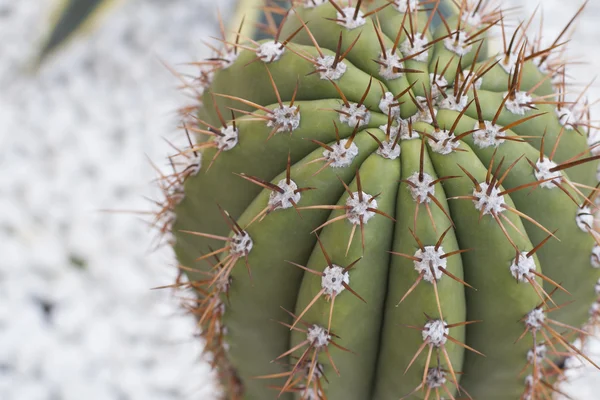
{"x":385,"y":105}
{"x":539,"y":353}
{"x":529,"y":381}
{"x":318,"y":336}
{"x":418,"y":44}
{"x":195,"y":164}
{"x":543,"y":172}
{"x":324,"y":65}
{"x":240,"y":244}
{"x":585,"y":218}
{"x":452,"y":103}
{"x":224,"y":331}
{"x":206,"y":74}
{"x":353,"y":114}
{"x":436,"y":378}
{"x":518,"y":105}
{"x":594,"y":310}
{"x":430,"y":258}
{"x":317,"y":371}
{"x":438,"y":84}
{"x":597,"y":287}
{"x":312,"y":373}
{"x":535,"y":319}
{"x":228,"y":138}
{"x":404,"y":5}
{"x":422,"y":188}
{"x":492,"y":203}
{"x":358,"y":208}
{"x":176,"y":194}
{"x":393,"y":129}
{"x":219,"y":308}
{"x":286,"y":118}
{"x":522,"y":267}
{"x":333,"y":279}
{"x":389,"y":149}
{"x":288,"y":198}
{"x":434,"y":332}
{"x":444,"y":142}
{"x":490,"y":136}
{"x":228,"y":58}
{"x":566,"y":117}
{"x":312,"y":394}
{"x":507,"y":63}
{"x":457,"y":43}
{"x":595,"y":257}
{"x":270,"y":51}
{"x":340,"y":156}
{"x":347,"y":19}
{"x":314,"y":3}
{"x":168,"y":220}
{"x":390,"y":65}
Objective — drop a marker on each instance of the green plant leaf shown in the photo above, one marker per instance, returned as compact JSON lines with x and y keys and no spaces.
{"x":72,"y":16}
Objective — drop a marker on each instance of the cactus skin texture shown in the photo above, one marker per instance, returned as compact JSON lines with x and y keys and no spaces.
{"x":376,"y":207}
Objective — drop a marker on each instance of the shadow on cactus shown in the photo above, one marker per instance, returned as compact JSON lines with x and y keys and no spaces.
{"x":376,"y":208}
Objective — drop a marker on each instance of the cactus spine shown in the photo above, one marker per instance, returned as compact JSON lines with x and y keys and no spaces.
{"x":377,"y":207}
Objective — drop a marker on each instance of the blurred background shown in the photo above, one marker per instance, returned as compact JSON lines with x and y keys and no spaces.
{"x":77,"y":317}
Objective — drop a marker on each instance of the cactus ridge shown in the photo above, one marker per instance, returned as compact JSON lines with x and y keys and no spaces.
{"x":374,"y":208}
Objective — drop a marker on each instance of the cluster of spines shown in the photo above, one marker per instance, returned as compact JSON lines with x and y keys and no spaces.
{"x":487,"y":199}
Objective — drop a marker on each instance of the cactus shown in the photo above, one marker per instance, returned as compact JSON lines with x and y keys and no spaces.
{"x":378,"y":206}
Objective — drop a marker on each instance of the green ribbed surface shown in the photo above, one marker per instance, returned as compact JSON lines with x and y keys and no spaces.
{"x":478,"y":297}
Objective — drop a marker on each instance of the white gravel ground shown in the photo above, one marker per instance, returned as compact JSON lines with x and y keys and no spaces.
{"x":74,"y":140}
{"x":77,"y":318}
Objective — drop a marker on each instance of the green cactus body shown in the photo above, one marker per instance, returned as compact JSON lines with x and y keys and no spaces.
{"x":377,"y":208}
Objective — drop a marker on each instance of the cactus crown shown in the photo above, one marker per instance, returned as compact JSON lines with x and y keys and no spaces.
{"x":377,"y":205}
